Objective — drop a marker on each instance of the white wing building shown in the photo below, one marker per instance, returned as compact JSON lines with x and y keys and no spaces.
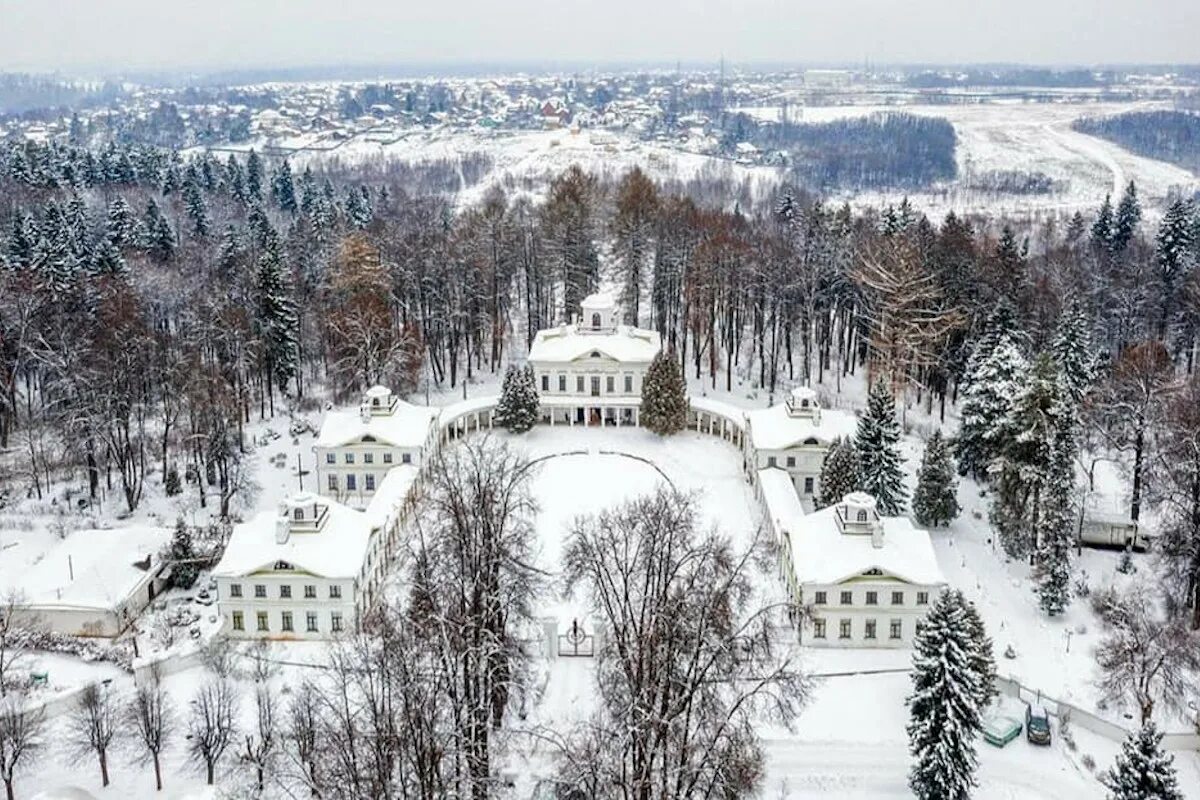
{"x":591,"y":373}
{"x":311,"y":568}
{"x":862,"y":579}
{"x":355,"y":449}
{"x":795,"y":437}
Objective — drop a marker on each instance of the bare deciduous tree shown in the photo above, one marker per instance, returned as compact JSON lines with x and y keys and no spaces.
{"x":262,"y":744}
{"x":92,"y":726}
{"x":212,"y":723}
{"x":472,"y":585}
{"x":687,"y":661}
{"x":12,"y":633}
{"x":22,"y":738}
{"x":150,"y":718}
{"x":1146,"y":656}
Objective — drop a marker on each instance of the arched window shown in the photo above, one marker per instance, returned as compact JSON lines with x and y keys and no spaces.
{"x":374,"y":401}
{"x":811,"y":440}
{"x":804,"y":404}
{"x":862,"y":515}
{"x":298,"y":514}
{"x":595,"y":320}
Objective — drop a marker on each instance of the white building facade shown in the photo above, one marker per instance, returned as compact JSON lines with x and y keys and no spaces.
{"x":795,"y":436}
{"x":311,"y":569}
{"x":591,"y":373}
{"x":356,"y":449}
{"x":862,"y":580}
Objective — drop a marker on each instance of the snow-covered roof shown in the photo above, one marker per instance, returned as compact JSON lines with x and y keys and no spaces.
{"x":784,"y":509}
{"x":407,"y":426}
{"x":335,"y":549}
{"x":823,"y":554}
{"x":775,"y":429}
{"x":719,"y":408}
{"x":565,"y":344}
{"x":393,"y":490}
{"x":90,"y":568}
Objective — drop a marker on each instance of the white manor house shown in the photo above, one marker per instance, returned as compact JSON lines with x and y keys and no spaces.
{"x":314,"y":566}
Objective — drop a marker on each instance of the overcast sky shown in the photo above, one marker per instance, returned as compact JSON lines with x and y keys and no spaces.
{"x":139,"y":34}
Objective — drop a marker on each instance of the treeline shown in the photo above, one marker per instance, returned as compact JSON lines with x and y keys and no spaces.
{"x":21,"y":93}
{"x":1172,"y":136}
{"x":883,"y":151}
{"x":1030,"y":76}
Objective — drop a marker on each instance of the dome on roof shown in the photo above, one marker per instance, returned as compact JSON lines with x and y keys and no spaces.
{"x":804,"y":393}
{"x":378,"y":391}
{"x":859,"y":500}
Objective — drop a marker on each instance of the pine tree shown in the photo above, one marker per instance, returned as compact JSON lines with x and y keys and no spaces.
{"x":1102,"y":228}
{"x":1143,"y":771}
{"x":517,"y":409}
{"x":283,"y":189}
{"x":275,"y":318}
{"x":1173,"y":257}
{"x":195,"y":207}
{"x":182,"y":554}
{"x":992,"y":384}
{"x":254,"y":176}
{"x":121,"y":225}
{"x":171,"y":484}
{"x":945,"y":715}
{"x":936,"y":498}
{"x":1072,"y":350}
{"x":1038,"y":432}
{"x":840,"y":472}
{"x":1056,"y":534}
{"x":1075,"y":228}
{"x":877,"y":442}
{"x":1129,"y":216}
{"x":664,"y":396}
{"x":982,"y":657}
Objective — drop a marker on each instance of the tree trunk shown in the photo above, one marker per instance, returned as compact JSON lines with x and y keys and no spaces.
{"x":208,"y":766}
{"x":103,"y":768}
{"x":157,"y":774}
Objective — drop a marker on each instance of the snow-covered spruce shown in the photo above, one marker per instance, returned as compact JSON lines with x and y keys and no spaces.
{"x":944,"y":707}
{"x":1142,"y":770}
{"x":517,"y":409}
{"x":878,"y":445}
{"x":840,"y":472}
{"x":1056,"y":535}
{"x":664,"y":395}
{"x":936,"y":499}
{"x":994,"y":377}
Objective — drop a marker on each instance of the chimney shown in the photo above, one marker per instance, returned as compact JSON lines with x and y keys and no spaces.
{"x":283,"y":527}
{"x":877,"y":534}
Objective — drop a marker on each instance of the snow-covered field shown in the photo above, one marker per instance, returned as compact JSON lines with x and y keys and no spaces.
{"x":992,"y":136}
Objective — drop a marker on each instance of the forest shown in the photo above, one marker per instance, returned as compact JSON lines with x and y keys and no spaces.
{"x":1172,"y":136}
{"x":152,"y":304}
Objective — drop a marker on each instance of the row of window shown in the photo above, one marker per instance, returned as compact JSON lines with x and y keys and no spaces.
{"x":285,"y":591}
{"x":333,"y":483}
{"x":870,"y":629}
{"x":872,"y":599}
{"x":610,"y":384}
{"x":285,"y":622}
{"x":367,"y":458}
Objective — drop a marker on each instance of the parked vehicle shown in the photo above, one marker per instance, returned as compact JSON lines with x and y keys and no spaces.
{"x":1001,"y":729}
{"x":1037,"y":725}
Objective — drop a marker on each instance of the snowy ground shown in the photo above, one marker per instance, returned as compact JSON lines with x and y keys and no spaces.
{"x":850,"y":742}
{"x":1001,"y":135}
{"x":1031,"y":137}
